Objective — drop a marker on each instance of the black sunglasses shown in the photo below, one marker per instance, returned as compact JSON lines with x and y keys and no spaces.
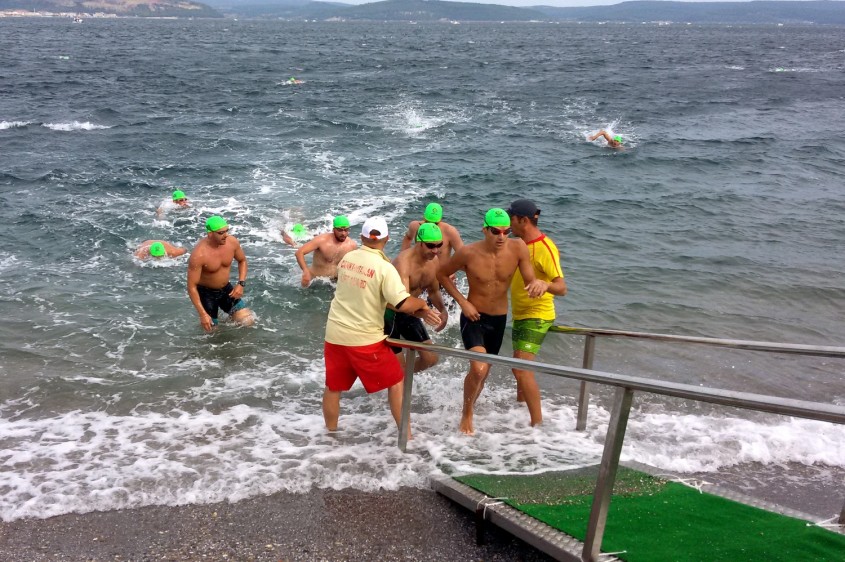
{"x":497,"y":231}
{"x":433,"y":245}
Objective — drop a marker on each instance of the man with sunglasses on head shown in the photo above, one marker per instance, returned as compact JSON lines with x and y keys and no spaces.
{"x":328,"y":248}
{"x":433,"y":214}
{"x":532,"y":317}
{"x":209,"y":269}
{"x":489,"y":265}
{"x":355,"y":346}
{"x":417,"y":266}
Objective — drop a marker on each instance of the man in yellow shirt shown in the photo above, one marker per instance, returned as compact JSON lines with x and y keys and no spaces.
{"x":354,"y":344}
{"x":532,"y":317}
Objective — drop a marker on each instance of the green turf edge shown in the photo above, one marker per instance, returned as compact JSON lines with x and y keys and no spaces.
{"x":678,"y":523}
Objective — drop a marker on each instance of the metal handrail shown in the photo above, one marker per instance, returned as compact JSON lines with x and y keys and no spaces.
{"x":800,"y":349}
{"x":626,"y":385}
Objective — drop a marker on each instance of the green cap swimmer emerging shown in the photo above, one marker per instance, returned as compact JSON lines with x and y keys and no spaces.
{"x":429,"y":232}
{"x":179,"y":195}
{"x":157,"y":250}
{"x":618,"y":138}
{"x":215,"y":223}
{"x":497,"y":218}
{"x":433,"y":213}
{"x":340,"y":221}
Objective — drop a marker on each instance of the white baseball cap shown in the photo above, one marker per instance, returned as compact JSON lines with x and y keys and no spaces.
{"x":372,"y":225}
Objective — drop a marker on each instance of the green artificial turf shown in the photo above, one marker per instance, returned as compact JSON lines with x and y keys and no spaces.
{"x":654,"y":520}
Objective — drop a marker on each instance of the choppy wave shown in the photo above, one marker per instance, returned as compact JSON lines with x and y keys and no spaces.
{"x":74,"y":126}
{"x":13,"y":124}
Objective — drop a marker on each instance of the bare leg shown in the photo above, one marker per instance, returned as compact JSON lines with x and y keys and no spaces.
{"x":527,"y":389}
{"x":425,"y":359}
{"x":243,"y":317}
{"x":473,"y":384}
{"x":331,"y":408}
{"x":394,"y":399}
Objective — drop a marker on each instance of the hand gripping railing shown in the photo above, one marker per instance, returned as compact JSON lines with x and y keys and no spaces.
{"x":625,"y":387}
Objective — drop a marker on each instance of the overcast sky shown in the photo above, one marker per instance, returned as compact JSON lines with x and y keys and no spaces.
{"x":559,"y":3}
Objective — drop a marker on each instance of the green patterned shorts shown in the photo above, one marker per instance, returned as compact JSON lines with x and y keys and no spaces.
{"x":528,"y":334}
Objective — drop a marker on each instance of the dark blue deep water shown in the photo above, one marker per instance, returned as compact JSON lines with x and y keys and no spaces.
{"x":723,"y":217}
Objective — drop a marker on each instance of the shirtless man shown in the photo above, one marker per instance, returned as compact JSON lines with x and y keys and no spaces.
{"x":417,"y":266}
{"x":209,"y":269}
{"x":452,"y":241}
{"x":489,"y":265}
{"x":158,"y":249}
{"x":612,"y":142}
{"x":328,"y":248}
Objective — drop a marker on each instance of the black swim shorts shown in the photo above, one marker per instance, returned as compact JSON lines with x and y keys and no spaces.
{"x":487,"y":332}
{"x":214,"y":299}
{"x":398,"y":325}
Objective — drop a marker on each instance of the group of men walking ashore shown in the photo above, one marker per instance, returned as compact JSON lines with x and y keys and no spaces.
{"x":376,"y":298}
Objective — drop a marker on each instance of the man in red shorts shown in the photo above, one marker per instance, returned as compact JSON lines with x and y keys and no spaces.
{"x":355,"y":348}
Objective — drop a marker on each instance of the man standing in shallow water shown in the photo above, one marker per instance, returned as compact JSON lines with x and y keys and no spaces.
{"x":209,"y":269}
{"x":328,"y":248}
{"x":489,"y":265}
{"x":532,"y":318}
{"x":354,"y":345}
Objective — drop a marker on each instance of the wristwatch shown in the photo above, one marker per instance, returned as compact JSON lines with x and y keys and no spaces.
{"x":242,"y":283}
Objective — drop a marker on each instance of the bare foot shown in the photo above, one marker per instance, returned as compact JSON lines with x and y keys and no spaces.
{"x":466,"y":425}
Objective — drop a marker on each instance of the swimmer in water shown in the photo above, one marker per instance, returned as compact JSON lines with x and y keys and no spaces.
{"x":158,"y":249}
{"x":178,"y":201}
{"x":614,"y":141}
{"x":296,"y":235}
{"x":328,"y":250}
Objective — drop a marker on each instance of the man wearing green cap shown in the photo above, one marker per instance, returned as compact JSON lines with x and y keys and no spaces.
{"x":328,"y":248}
{"x":417,"y":266}
{"x":158,"y":249}
{"x":614,"y":141}
{"x":209,"y":270}
{"x":177,"y":201}
{"x":489,"y":265}
{"x":434,"y":215}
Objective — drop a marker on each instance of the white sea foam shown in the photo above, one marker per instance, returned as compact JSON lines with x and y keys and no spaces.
{"x":84,"y":461}
{"x":13,"y":124}
{"x":74,"y":126}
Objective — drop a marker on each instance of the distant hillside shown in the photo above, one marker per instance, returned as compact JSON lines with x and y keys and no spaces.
{"x":389,"y":10}
{"x":821,"y":12}
{"x":137,"y":8}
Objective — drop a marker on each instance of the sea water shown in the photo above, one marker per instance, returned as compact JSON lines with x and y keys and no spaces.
{"x":721,"y":217}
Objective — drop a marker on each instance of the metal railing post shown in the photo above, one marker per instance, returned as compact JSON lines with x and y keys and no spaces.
{"x":607,"y":473}
{"x":584,"y":394}
{"x":407,"y":390}
{"x":842,"y":516}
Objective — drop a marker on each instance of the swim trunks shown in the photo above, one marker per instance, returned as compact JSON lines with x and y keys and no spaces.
{"x":398,"y":325}
{"x":487,"y":332}
{"x":214,"y":299}
{"x":375,"y":364}
{"x":528,"y":334}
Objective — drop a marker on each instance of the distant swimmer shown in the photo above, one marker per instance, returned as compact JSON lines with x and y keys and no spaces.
{"x":328,"y":248}
{"x":158,"y":249}
{"x":178,"y":201}
{"x":433,"y":213}
{"x":297,"y":235}
{"x":209,"y":269}
{"x":417,"y":266}
{"x":614,"y":141}
{"x":293,"y":80}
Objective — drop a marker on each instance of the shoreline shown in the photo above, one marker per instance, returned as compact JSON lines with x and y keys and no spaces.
{"x":407,"y":524}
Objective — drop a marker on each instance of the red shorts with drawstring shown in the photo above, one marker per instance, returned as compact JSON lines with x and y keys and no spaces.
{"x":375,"y":364}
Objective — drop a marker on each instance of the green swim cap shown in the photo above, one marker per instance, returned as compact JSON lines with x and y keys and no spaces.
{"x":497,"y":218}
{"x":178,"y":195}
{"x":433,"y":213}
{"x":215,"y":223}
{"x":429,"y":232}
{"x":298,"y":229}
{"x":157,"y":250}
{"x":618,"y":138}
{"x":340,"y":221}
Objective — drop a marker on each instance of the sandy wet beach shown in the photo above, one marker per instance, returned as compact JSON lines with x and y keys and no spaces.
{"x":409,"y":524}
